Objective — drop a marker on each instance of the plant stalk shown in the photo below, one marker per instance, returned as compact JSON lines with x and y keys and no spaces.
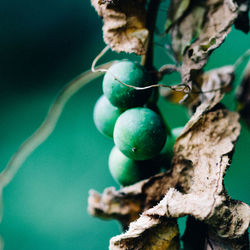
{"x":147,"y":59}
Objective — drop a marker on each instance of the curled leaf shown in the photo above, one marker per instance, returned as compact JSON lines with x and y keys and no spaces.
{"x":127,"y":203}
{"x":209,"y":84}
{"x":205,"y":150}
{"x":124,"y":26}
{"x":206,"y":87}
{"x":147,"y":233}
{"x":202,"y":28}
{"x":186,"y":29}
{"x":218,"y":22}
{"x":194,"y":186}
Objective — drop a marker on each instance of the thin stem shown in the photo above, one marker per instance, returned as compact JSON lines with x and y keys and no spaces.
{"x":47,"y":127}
{"x":147,"y":59}
{"x":163,"y":70}
{"x":99,"y":56}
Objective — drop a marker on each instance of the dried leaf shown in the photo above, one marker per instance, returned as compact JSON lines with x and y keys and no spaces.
{"x":218,"y":23}
{"x":193,"y":187}
{"x":206,"y":86}
{"x":203,"y":28}
{"x":127,"y":203}
{"x":187,"y":29}
{"x":202,"y":153}
{"x":208,"y":148}
{"x":208,"y":144}
{"x":148,"y":233}
{"x":124,"y":24}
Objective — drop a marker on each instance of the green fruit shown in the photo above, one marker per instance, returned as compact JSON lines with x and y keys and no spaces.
{"x":140,"y":133}
{"x":127,"y":171}
{"x":130,"y":73}
{"x":105,"y":116}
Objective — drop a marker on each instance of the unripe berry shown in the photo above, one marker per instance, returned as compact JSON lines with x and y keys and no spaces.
{"x":140,"y":133}
{"x":127,"y":171}
{"x":105,"y":116}
{"x":130,"y":73}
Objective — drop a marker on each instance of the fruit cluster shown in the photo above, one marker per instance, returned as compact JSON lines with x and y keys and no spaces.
{"x":130,"y":117}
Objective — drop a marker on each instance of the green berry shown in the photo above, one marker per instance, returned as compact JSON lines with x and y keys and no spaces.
{"x":127,"y":171}
{"x":105,"y":116}
{"x":140,"y":133}
{"x":130,"y":73}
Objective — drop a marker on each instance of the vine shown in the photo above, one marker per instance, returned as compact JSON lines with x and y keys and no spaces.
{"x":149,"y":202}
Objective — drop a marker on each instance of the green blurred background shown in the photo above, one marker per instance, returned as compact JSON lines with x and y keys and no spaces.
{"x":43,"y":45}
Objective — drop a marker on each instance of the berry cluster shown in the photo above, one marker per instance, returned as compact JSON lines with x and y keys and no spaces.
{"x":127,"y":115}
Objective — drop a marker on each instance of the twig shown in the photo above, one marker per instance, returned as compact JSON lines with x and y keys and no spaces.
{"x":47,"y":127}
{"x":177,"y":87}
{"x":99,"y":56}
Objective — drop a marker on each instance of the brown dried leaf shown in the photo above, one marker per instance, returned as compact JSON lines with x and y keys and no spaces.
{"x":187,"y":29}
{"x":127,"y":203}
{"x":210,"y":84}
{"x":193,"y":187}
{"x":208,"y":148}
{"x":124,"y":24}
{"x":202,"y":29}
{"x":207,"y":86}
{"x":148,"y":233}
{"x":219,"y":20}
